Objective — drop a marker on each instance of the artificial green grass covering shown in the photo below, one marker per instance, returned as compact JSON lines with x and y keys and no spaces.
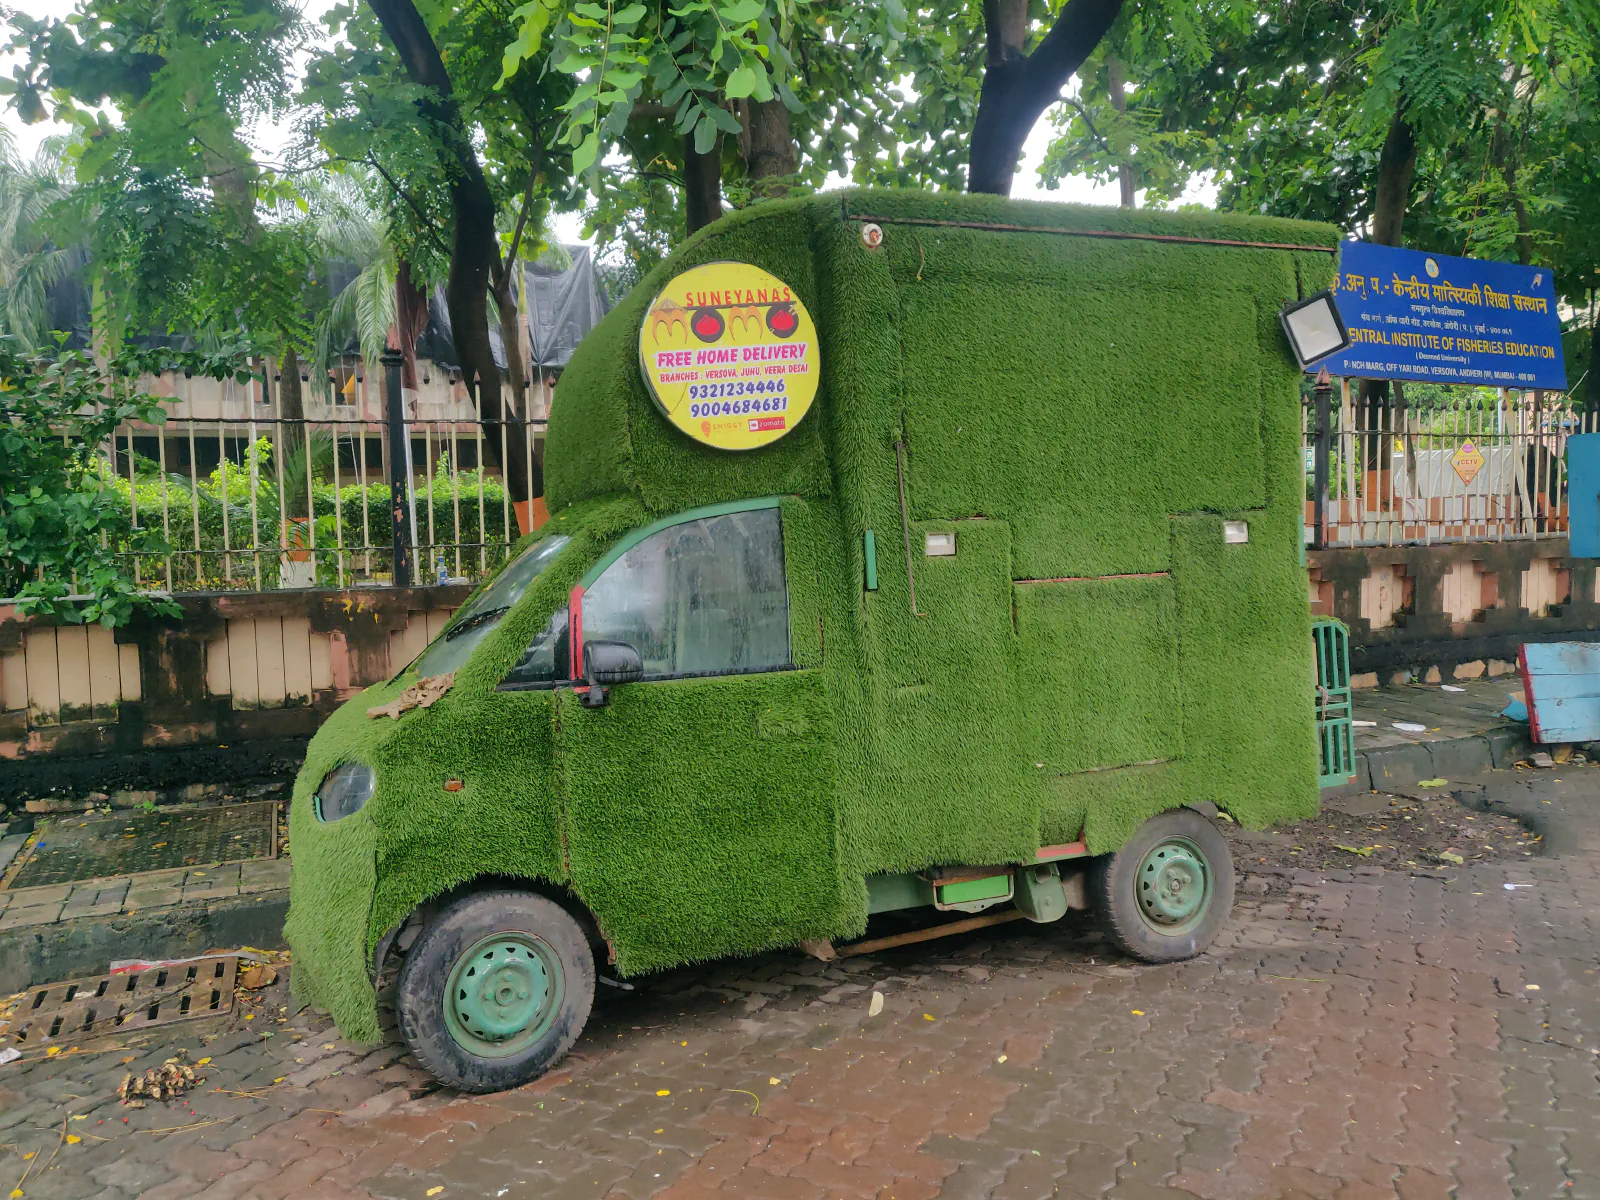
{"x":1082,"y":413}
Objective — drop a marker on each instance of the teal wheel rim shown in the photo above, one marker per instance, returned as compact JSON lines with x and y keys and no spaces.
{"x":503,"y":994}
{"x":1174,"y":886}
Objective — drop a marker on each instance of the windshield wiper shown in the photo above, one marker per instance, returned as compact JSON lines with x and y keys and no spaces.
{"x":476,"y":619}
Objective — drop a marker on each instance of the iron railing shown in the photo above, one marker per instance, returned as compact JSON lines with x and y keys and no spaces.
{"x":250,"y":499}
{"x":1490,"y":468}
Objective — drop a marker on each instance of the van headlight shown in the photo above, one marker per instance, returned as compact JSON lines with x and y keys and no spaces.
{"x":343,"y":791}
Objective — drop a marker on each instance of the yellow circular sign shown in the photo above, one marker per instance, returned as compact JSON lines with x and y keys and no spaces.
{"x":730,"y":355}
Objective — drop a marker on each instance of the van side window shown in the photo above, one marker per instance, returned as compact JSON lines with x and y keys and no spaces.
{"x":546,"y":659}
{"x":707,"y":597}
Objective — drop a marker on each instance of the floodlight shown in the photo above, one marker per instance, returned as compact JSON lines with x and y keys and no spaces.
{"x":1314,"y":328}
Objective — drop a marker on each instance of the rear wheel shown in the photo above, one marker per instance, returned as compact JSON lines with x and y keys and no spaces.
{"x":496,"y":990}
{"x":1166,"y":894}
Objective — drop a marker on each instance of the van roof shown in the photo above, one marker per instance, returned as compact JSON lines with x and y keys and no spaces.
{"x":1063,"y":264}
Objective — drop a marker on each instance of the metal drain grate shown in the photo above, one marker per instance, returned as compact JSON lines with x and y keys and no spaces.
{"x":73,"y":848}
{"x":85,"y":1008}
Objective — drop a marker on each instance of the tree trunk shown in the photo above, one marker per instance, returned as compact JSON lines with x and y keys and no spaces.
{"x":1018,"y":87}
{"x":1397,"y":167}
{"x":770,"y":151}
{"x":411,"y":318}
{"x":517,"y":435}
{"x":474,"y":252}
{"x":1500,"y":148}
{"x":702,"y":184}
{"x":1119,"y":100}
{"x":290,"y":444}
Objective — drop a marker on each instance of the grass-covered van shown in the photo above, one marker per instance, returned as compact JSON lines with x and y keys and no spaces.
{"x":973,"y":637}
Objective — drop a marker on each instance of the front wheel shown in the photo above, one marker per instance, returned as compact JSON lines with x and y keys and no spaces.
{"x":1166,"y":894}
{"x":496,"y":990}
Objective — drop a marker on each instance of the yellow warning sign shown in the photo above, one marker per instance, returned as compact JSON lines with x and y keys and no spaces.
{"x":730,"y":355}
{"x":1467,"y":461}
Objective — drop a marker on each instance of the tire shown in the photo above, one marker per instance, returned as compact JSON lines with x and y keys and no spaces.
{"x":1145,"y":891}
{"x":534,"y":976}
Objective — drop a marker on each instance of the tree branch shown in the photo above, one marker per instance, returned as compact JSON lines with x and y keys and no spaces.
{"x":425,"y":223}
{"x":510,"y":261}
{"x":1017,"y":88}
{"x":1083,"y":112}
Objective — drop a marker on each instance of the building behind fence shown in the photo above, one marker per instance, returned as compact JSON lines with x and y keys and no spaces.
{"x":1490,"y":466}
{"x":254,"y":491}
{"x":249,"y":498}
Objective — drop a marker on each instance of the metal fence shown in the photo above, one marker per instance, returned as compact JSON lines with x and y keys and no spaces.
{"x":1488,"y":468}
{"x":250,"y":499}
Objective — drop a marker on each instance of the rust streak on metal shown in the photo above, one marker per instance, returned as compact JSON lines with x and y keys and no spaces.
{"x":1076,"y":849}
{"x":1097,"y":578}
{"x":1112,"y":234}
{"x":873,"y":945}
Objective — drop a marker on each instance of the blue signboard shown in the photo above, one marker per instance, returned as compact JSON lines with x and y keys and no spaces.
{"x":1440,"y":319}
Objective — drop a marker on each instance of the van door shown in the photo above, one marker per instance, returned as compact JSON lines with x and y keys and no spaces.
{"x":700,"y":814}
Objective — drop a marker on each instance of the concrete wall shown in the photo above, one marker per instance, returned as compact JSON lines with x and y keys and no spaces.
{"x":237,"y":667}
{"x":1453,"y":611}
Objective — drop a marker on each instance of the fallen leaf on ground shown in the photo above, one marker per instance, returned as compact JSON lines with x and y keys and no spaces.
{"x":1364,"y":851}
{"x":1432,"y":783}
{"x":257,"y":976}
{"x":171,"y":1079}
{"x":1450,"y":856}
{"x":875,"y":1005}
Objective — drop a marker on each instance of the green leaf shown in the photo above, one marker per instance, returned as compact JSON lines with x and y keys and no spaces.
{"x":741,"y":83}
{"x":583,"y":157}
{"x":705,"y":133}
{"x":742,"y":12}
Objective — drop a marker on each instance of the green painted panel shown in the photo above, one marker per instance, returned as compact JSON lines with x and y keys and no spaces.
{"x":968,"y":890}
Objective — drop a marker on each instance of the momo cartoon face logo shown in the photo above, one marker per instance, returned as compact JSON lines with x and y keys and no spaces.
{"x":782,"y":321}
{"x":730,"y":355}
{"x":707,"y":324}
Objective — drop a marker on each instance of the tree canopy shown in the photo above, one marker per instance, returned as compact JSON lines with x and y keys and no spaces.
{"x":440,"y":136}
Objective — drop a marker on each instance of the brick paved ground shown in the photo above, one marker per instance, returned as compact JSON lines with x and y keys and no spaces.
{"x":1372,"y":1035}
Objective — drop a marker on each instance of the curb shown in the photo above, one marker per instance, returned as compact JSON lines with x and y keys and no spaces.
{"x":85,"y":946}
{"x":1397,"y":767}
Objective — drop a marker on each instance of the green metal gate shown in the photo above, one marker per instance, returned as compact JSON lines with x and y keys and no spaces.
{"x":1335,"y":735}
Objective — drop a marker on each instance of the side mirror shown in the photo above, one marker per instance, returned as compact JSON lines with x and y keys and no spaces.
{"x":606,"y":664}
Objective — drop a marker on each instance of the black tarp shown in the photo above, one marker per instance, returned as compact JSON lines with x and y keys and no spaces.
{"x":563,"y":305}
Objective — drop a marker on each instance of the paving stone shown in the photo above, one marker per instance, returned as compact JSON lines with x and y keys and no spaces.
{"x":16,"y":917}
{"x":211,"y":883}
{"x":263,"y":875}
{"x":55,"y":893}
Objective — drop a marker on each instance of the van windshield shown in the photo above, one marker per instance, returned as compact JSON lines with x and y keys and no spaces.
{"x":483,"y":612}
